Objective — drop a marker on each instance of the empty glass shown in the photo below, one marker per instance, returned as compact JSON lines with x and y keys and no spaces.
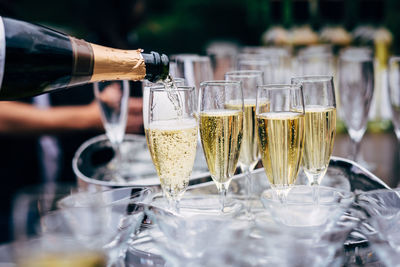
{"x":382,"y":227}
{"x":315,"y":64}
{"x":356,"y":87}
{"x":300,"y":211}
{"x":193,"y":68}
{"x":281,"y":134}
{"x":222,"y":55}
{"x":249,"y":152}
{"x":172,"y":134}
{"x":185,"y":241}
{"x":53,"y":226}
{"x":112,"y":98}
{"x":279,"y":70}
{"x":394,"y":92}
{"x":220,"y":112}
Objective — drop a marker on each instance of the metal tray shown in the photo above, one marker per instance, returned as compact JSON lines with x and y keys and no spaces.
{"x":342,"y":173}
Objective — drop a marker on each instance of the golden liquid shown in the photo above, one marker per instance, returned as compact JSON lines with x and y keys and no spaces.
{"x":281,"y":138}
{"x":172,"y":146}
{"x":320,"y":130}
{"x":249,"y":152}
{"x":60,"y":259}
{"x":221,"y":134}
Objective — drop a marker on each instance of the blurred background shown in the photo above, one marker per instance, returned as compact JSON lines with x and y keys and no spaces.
{"x":218,"y":27}
{"x":179,"y":26}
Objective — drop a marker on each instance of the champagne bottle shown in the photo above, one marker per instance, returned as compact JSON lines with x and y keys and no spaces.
{"x":36,"y":60}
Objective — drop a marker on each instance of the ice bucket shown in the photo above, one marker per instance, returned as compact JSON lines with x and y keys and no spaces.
{"x":94,"y":163}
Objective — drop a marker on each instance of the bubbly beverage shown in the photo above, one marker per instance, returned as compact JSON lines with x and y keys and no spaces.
{"x":281,"y":139}
{"x":173,"y":95}
{"x":249,"y":152}
{"x":62,"y":259}
{"x":320,"y":129}
{"x":172,"y":146}
{"x":221,"y":136}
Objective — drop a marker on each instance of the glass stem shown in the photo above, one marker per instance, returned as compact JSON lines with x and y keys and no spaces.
{"x":117,"y":150}
{"x":315,"y":188}
{"x":222,"y":197}
{"x":315,"y":193}
{"x":176,"y":206}
{"x":249,"y":188}
{"x":173,"y":204}
{"x":356,"y":149}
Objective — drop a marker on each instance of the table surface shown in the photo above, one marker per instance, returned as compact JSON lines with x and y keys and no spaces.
{"x":379,"y":150}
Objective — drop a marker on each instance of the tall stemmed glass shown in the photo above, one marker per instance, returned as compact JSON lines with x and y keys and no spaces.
{"x":278,"y":70}
{"x":193,"y":68}
{"x":112,"y":98}
{"x":356,"y":88}
{"x":171,"y":134}
{"x":281,"y":134}
{"x":394,"y":92}
{"x":221,"y":130}
{"x":249,"y":152}
{"x":320,"y":126}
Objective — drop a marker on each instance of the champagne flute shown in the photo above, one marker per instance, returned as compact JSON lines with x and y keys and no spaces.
{"x":320,"y":126}
{"x":394,"y":92}
{"x":44,"y":235}
{"x":249,"y":152}
{"x":112,"y":98}
{"x":193,"y":68}
{"x":356,"y":89}
{"x":281,"y":134}
{"x":146,"y":85}
{"x":221,"y":130}
{"x":171,"y":135}
{"x":276,"y":63}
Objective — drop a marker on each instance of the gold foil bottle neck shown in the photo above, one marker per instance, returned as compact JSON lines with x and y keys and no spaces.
{"x":117,"y":64}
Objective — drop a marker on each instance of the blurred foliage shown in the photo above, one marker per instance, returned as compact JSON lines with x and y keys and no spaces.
{"x":185,"y":26}
{"x":179,"y":26}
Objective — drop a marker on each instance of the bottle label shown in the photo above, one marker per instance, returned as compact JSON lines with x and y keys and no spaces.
{"x":117,"y":64}
{"x":2,"y":50}
{"x":83,"y":59}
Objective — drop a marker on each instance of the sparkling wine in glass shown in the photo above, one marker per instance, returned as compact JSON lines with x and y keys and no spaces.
{"x":320,"y":126}
{"x":112,"y":98}
{"x":249,"y":152}
{"x":281,"y":132}
{"x":172,"y":140}
{"x":221,"y":130}
{"x":356,"y":89}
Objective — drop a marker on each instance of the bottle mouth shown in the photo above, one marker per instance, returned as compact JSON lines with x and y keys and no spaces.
{"x":157,"y":66}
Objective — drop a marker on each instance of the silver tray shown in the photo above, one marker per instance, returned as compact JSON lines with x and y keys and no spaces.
{"x":342,"y":173}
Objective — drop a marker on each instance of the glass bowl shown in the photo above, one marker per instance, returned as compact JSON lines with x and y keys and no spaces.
{"x":382,"y":223}
{"x":299,"y":210}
